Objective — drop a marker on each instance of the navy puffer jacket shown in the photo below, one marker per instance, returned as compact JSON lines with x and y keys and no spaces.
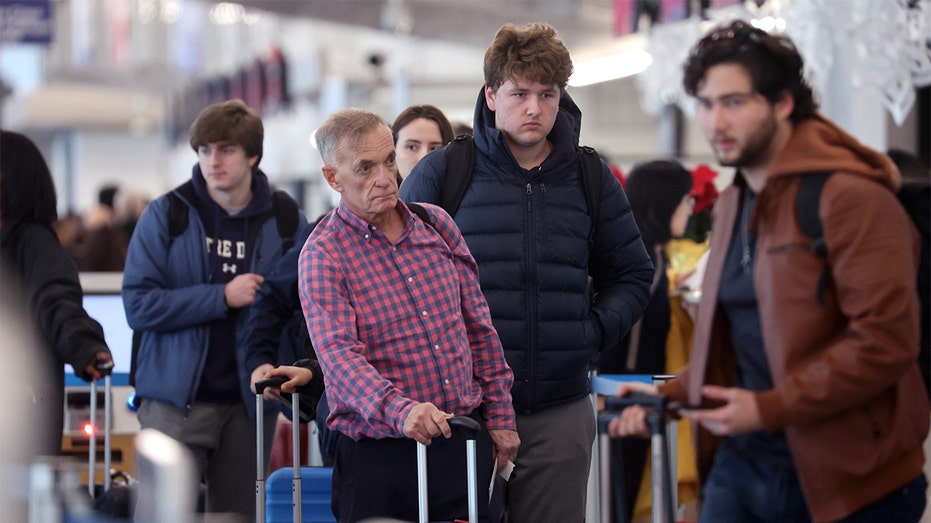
{"x":528,"y":231}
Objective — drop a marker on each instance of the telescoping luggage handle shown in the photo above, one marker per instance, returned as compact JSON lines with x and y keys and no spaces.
{"x":105,"y":368}
{"x":470,"y":428}
{"x":656,"y":407}
{"x":260,"y":386}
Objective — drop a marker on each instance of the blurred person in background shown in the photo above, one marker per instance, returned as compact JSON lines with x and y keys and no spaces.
{"x":107,"y":229}
{"x":22,"y":419}
{"x":418,"y":130}
{"x":804,"y":363}
{"x":462,"y":128}
{"x":661,"y":200}
{"x":49,"y":280}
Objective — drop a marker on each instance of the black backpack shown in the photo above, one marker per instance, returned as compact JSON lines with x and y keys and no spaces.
{"x":284,"y":209}
{"x":460,"y":164}
{"x":915,"y":197}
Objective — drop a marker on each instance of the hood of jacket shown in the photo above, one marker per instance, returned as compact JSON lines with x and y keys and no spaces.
{"x":817,"y":144}
{"x":260,"y":203}
{"x":564,"y":136}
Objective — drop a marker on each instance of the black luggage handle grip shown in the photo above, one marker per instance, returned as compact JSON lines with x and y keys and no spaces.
{"x":649,"y":401}
{"x":104,"y":367}
{"x":465,"y":424}
{"x":273,"y":382}
{"x":656,"y":407}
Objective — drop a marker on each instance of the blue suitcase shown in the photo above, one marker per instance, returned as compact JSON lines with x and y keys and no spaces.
{"x":289,"y":495}
{"x":316,"y":487}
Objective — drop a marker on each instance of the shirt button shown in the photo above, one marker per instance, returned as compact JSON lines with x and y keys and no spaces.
{"x":409,"y":279}
{"x":446,"y":382}
{"x":366,"y":236}
{"x":424,"y":313}
{"x":437,"y":347}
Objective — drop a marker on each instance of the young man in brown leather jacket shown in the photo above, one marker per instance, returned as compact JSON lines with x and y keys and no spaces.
{"x":818,"y":411}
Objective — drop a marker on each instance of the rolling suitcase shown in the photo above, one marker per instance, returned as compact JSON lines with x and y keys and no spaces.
{"x":656,"y":408}
{"x":310,"y":492}
{"x":109,"y":498}
{"x":106,"y":369}
{"x":470,"y":427}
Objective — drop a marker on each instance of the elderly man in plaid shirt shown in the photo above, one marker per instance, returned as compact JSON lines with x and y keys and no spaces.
{"x":403,"y":334}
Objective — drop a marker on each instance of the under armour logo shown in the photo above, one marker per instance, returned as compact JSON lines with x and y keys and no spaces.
{"x":229,"y":268}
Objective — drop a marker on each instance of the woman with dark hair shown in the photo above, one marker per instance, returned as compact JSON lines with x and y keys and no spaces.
{"x":31,"y":253}
{"x":660,"y":194}
{"x":418,"y":130}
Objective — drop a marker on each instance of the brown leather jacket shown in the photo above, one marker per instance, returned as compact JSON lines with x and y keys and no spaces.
{"x":848,"y":391}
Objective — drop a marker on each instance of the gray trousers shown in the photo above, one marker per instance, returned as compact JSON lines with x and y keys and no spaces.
{"x":221,"y":439}
{"x":550,"y":478}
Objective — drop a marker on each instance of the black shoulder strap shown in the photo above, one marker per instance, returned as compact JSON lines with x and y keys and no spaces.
{"x":460,"y":162}
{"x":807,"y":211}
{"x":591,"y":184}
{"x":286,"y":218}
{"x":421,"y":212}
{"x":178,"y":211}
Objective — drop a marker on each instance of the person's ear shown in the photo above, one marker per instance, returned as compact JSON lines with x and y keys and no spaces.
{"x":252,"y":161}
{"x":329,"y":174}
{"x":784,"y":105}
{"x":490,"y":98}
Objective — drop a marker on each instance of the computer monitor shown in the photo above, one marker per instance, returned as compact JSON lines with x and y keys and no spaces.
{"x":103,"y":301}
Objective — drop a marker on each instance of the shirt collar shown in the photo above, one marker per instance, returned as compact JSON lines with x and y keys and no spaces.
{"x":358,"y":226}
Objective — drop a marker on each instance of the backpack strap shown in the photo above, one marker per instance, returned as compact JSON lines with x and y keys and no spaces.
{"x":460,"y":163}
{"x":286,"y":218}
{"x":807,"y":211}
{"x":418,"y":209}
{"x":178,"y":210}
{"x":591,"y":185}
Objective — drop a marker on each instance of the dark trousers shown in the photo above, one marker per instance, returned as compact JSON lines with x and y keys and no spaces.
{"x":739,"y":490}
{"x":378,"y":478}
{"x":629,"y":458}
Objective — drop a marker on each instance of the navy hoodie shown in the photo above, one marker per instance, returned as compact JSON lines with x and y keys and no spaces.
{"x":229,"y":249}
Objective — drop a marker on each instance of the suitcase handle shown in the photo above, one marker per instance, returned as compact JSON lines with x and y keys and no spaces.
{"x":470,"y":428}
{"x":650,"y":401}
{"x":273,"y":382}
{"x":656,"y":407}
{"x":104,"y":367}
{"x":466,"y":425}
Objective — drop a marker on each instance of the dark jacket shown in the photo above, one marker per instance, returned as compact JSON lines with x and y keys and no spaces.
{"x":273,"y":330}
{"x":50,"y":284}
{"x":649,"y":354}
{"x":167,"y":294}
{"x":847,"y":389}
{"x":528,"y":231}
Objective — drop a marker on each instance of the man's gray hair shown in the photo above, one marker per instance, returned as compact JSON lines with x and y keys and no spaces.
{"x":349,"y":124}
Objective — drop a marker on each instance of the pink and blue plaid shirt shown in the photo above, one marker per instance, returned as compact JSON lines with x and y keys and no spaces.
{"x":398,"y":324}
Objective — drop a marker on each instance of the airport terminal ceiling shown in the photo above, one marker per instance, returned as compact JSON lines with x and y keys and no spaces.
{"x":582,"y":24}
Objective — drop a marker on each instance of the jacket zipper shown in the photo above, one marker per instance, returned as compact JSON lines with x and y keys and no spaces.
{"x":530,"y":271}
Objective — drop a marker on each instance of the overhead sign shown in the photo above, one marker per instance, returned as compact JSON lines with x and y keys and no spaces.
{"x":26,"y":21}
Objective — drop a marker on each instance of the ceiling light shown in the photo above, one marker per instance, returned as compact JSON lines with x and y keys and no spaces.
{"x":612,"y":67}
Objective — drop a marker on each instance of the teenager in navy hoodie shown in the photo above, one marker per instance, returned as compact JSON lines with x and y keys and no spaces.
{"x":190,"y":295}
